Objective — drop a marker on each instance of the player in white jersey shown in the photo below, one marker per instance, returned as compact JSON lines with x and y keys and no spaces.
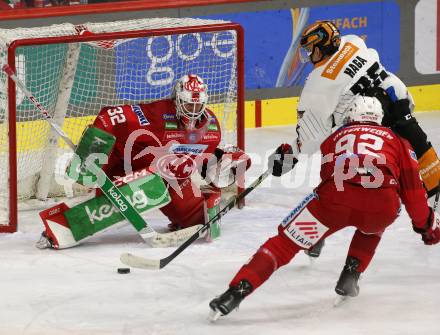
{"x":345,"y":67}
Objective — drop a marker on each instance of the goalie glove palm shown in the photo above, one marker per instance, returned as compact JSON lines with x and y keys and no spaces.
{"x":225,"y":166}
{"x":282,"y":160}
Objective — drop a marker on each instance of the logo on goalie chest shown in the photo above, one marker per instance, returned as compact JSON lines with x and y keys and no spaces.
{"x":140,"y":115}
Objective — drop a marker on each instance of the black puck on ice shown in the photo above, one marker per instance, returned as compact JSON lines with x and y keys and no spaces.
{"x":123,"y":270}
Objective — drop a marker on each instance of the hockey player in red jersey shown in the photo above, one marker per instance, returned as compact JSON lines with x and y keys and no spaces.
{"x":173,"y":138}
{"x":170,"y":136}
{"x":343,"y":67}
{"x":366,"y":170}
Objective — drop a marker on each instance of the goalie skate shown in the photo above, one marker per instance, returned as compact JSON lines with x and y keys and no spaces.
{"x":44,"y":242}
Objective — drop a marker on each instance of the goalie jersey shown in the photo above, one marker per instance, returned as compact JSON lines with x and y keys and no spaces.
{"x":149,"y":135}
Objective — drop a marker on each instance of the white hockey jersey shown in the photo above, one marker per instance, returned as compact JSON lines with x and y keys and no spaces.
{"x":331,"y":87}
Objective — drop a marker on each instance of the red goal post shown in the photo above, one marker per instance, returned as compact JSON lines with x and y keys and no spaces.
{"x":74,"y":74}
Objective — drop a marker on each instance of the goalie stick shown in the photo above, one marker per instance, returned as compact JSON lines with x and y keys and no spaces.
{"x":157,"y":264}
{"x":148,"y":234}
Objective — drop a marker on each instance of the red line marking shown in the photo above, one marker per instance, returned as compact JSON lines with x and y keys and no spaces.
{"x":258,"y":113}
{"x":310,"y":233}
{"x":305,"y":223}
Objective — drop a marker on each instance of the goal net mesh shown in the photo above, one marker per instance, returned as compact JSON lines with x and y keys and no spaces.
{"x":74,"y":79}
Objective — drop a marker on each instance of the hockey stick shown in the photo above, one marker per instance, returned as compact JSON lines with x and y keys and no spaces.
{"x":156,"y":264}
{"x":108,"y":188}
{"x":437,"y":196}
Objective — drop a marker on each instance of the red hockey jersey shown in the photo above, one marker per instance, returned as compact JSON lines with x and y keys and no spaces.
{"x":149,"y":135}
{"x":361,"y":153}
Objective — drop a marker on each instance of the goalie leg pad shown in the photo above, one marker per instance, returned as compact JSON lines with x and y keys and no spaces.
{"x":66,"y":227}
{"x":429,"y":166}
{"x":144,"y":194}
{"x":57,"y":233}
{"x":212,"y":203}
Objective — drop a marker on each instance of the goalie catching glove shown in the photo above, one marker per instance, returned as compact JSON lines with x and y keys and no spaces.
{"x":431,"y":231}
{"x":282,"y":160}
{"x":225,"y":166}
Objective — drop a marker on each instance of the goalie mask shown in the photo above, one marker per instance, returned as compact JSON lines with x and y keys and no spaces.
{"x":322,"y":35}
{"x":190,"y":94}
{"x":364,"y":109}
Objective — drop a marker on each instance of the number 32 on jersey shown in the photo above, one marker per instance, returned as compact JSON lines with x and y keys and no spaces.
{"x":116,"y":115}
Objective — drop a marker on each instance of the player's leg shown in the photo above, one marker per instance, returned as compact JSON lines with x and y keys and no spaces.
{"x":300,"y":233}
{"x":365,"y":240}
{"x":274,"y":253}
{"x":360,"y":254}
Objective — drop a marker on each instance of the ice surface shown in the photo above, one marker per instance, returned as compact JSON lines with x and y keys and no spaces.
{"x":79,"y":291}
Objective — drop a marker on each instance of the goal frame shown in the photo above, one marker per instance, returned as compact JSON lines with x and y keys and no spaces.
{"x":12,"y":132}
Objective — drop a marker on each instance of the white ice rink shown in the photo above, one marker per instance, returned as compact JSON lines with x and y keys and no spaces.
{"x":77,"y":291}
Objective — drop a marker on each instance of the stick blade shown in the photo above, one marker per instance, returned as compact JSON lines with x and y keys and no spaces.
{"x":341,"y":300}
{"x":175,"y":238}
{"x":214,"y":315}
{"x":140,"y":262}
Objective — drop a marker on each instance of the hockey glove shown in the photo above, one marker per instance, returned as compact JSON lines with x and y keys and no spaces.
{"x":403,"y":122}
{"x":431,"y":232}
{"x":213,"y":160}
{"x":225,"y":166}
{"x":282,"y":160}
{"x":401,"y":115}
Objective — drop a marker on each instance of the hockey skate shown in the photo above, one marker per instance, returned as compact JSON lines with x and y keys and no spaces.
{"x":347,"y":285}
{"x":44,"y":242}
{"x":315,"y":250}
{"x":229,"y":300}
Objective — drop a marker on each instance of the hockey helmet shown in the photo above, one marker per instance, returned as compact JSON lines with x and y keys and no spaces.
{"x":364,"y":109}
{"x":322,"y":35}
{"x":190,"y":95}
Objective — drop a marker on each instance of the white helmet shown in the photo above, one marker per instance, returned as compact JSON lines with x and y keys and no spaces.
{"x":364,"y":109}
{"x":190,"y":94}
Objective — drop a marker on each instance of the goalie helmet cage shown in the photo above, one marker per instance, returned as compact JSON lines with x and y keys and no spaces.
{"x":74,"y":71}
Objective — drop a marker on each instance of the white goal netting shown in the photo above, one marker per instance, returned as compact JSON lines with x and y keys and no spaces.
{"x":74,"y":79}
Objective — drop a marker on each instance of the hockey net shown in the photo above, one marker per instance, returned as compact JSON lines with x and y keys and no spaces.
{"x":74,"y":71}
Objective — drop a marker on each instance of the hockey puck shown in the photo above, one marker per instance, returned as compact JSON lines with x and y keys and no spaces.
{"x":123,"y":270}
